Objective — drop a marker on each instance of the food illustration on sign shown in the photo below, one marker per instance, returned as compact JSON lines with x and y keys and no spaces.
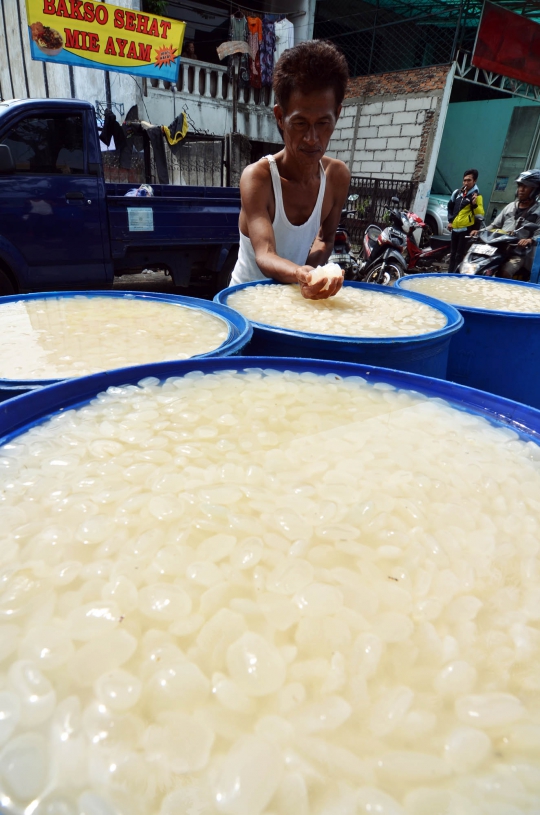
{"x":47,"y":39}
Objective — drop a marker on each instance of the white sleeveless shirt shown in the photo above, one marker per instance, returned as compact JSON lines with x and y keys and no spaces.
{"x":292,"y":242}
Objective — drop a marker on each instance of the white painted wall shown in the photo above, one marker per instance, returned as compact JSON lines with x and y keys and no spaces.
{"x":209,"y":103}
{"x":424,"y":187}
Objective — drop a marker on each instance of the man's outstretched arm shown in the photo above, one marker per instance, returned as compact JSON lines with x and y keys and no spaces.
{"x":338,"y":178}
{"x":255,"y":192}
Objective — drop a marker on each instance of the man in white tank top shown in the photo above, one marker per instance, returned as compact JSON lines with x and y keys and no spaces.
{"x":292,"y":201}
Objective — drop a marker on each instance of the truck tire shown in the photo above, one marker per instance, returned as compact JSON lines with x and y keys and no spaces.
{"x":6,"y":286}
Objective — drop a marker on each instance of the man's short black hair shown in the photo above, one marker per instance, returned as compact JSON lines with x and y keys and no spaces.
{"x":310,"y":66}
{"x":474,"y":173}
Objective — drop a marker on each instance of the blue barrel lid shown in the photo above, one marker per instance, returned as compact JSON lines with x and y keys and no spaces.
{"x":238,"y":334}
{"x":454,"y":320}
{"x":23,"y":412}
{"x":402,"y":285}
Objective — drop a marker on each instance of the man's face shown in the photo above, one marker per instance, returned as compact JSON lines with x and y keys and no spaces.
{"x":468,"y":182}
{"x":523,"y":192}
{"x":308,"y":124}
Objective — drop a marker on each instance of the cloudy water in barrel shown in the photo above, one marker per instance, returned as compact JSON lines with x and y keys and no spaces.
{"x":269,"y":593}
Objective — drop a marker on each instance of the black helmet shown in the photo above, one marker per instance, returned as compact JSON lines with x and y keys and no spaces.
{"x":530,"y":178}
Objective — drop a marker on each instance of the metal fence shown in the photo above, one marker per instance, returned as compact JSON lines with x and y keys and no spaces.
{"x":374,"y":194}
{"x":390,"y":35}
{"x":197,"y":161}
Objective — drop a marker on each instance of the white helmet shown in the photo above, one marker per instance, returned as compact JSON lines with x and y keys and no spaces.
{"x":530,"y":178}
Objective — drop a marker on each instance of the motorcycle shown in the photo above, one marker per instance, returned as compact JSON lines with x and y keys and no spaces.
{"x":342,"y":254}
{"x":496,"y":253}
{"x":425,"y":257}
{"x":382,"y":259}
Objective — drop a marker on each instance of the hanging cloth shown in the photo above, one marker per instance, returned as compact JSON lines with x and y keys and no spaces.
{"x":284,"y":30}
{"x":268,"y":46}
{"x":176,"y":130}
{"x":237,"y":28}
{"x":112,"y":128}
{"x":155,"y":136}
{"x":238,"y":31}
{"x":254,"y":42}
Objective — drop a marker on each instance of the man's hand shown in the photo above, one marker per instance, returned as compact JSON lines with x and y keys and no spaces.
{"x":474,"y":233}
{"x":525,"y":242}
{"x":317,"y":291}
{"x":474,"y":196}
{"x":449,"y":227}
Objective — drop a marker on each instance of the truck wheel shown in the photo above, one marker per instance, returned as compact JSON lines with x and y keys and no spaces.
{"x":6,"y":286}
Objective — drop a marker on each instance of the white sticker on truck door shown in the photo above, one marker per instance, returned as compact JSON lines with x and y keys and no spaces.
{"x":140,"y":219}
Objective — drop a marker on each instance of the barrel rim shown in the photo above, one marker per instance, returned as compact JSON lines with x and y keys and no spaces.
{"x":521,"y":314}
{"x":454,"y":319}
{"x":23,"y":412}
{"x":239,"y":331}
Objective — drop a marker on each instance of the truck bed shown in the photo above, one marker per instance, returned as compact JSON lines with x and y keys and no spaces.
{"x":175,"y":228}
{"x":180,"y":216}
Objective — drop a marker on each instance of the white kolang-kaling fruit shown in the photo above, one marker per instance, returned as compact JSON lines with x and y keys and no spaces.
{"x":353,"y":313}
{"x":269,"y":593}
{"x":478,"y":292}
{"x":330,"y":271}
{"x":60,"y":337}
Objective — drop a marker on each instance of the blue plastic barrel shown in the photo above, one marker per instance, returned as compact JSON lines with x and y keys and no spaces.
{"x":425,"y":354}
{"x":239,"y":329}
{"x":496,"y":351}
{"x":23,"y":412}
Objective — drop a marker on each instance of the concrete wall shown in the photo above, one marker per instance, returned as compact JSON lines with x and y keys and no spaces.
{"x":211,"y":110}
{"x":382,"y":139}
{"x":388,"y":121}
{"x":474,"y":136}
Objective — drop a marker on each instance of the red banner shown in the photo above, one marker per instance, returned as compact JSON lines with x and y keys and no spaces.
{"x":508,"y":44}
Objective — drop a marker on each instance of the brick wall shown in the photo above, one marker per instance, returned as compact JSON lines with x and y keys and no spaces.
{"x":387,"y":124}
{"x":399,"y":83}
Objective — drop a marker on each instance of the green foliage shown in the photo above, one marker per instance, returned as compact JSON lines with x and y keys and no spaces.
{"x":362,"y":206}
{"x":155,"y":6}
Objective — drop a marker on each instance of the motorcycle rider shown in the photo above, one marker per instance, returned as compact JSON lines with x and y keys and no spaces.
{"x":465,"y":210}
{"x":526,"y":209}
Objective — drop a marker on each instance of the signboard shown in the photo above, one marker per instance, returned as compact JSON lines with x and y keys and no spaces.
{"x":508,"y":44}
{"x":100,"y":35}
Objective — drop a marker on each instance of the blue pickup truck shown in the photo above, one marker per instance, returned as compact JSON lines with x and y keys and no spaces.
{"x":63,"y":227}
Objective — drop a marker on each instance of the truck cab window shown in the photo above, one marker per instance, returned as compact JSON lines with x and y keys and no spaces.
{"x":47,"y":144}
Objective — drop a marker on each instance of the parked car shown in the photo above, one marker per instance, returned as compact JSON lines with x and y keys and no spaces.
{"x":436,"y":216}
